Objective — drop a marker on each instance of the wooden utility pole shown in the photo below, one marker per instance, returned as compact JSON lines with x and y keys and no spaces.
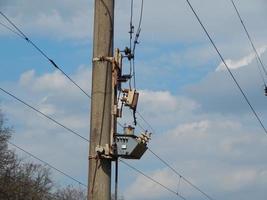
{"x":99,"y":180}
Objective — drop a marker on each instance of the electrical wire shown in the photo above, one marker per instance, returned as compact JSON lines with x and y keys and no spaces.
{"x":12,"y":30}
{"x":43,"y":114}
{"x":134,"y":74}
{"x":27,"y":39}
{"x":131,"y":31}
{"x":141,"y":127}
{"x":249,"y":38}
{"x":150,"y":126}
{"x":120,"y":124}
{"x":174,"y":170}
{"x":131,"y":25}
{"x":228,"y":69}
{"x":136,"y":42}
{"x":87,"y":140}
{"x":80,"y":183}
{"x":22,"y":35}
{"x":76,"y":135}
{"x":26,"y":104}
{"x":170,"y":167}
{"x":46,"y":163}
{"x":151,"y":179}
{"x":181,"y":176}
{"x":139,"y":27}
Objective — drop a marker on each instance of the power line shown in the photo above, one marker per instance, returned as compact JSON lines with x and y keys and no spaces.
{"x":132,"y":61}
{"x":249,"y":38}
{"x":23,"y":36}
{"x":228,"y":69}
{"x":56,"y":66}
{"x":27,"y":39}
{"x":131,"y":26}
{"x":141,"y":127}
{"x":139,"y":27}
{"x":12,"y":30}
{"x":46,"y":163}
{"x":181,"y":176}
{"x":150,"y":126}
{"x":43,"y":114}
{"x":138,"y":124}
{"x":26,"y":104}
{"x":151,"y":179}
{"x":120,"y":124}
{"x":131,"y":31}
{"x":175,"y":171}
{"x":166,"y":163}
{"x":259,"y":61}
{"x":136,"y":41}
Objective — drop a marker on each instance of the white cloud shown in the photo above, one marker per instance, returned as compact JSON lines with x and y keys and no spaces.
{"x":202,"y":132}
{"x":54,"y":19}
{"x":240,"y":178}
{"x":55,"y":96}
{"x":56,"y":82}
{"x":203,"y":143}
{"x":150,"y":190}
{"x":245,"y":61}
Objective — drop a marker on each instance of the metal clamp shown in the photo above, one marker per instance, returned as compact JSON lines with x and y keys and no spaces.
{"x":103,"y":58}
{"x":103,"y":151}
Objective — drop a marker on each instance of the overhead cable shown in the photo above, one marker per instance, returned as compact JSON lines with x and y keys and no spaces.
{"x":27,"y":39}
{"x":12,"y":30}
{"x":249,"y":38}
{"x":46,"y":163}
{"x":151,"y":179}
{"x":227,"y":67}
{"x":23,"y":36}
{"x":139,"y":27}
{"x":131,"y":31}
{"x":136,"y":41}
{"x":181,"y":176}
{"x":56,"y":66}
{"x":43,"y":114}
{"x":150,"y":126}
{"x":75,"y":133}
{"x":26,"y":104}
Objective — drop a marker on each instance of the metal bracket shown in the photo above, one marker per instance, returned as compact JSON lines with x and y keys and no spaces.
{"x":103,"y":58}
{"x":116,"y":59}
{"x":104,"y":152}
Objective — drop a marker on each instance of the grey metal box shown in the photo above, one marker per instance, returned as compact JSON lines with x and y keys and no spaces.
{"x":129,"y":148}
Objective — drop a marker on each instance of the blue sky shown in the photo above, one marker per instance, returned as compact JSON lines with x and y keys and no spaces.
{"x":203,"y":126}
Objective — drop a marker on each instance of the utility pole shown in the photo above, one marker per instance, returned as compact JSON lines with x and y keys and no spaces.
{"x":102,"y":119}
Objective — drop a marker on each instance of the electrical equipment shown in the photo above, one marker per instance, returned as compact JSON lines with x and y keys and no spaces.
{"x":144,"y":138}
{"x":130,"y":98}
{"x":126,"y":145}
{"x":128,"y":130}
{"x":130,"y":146}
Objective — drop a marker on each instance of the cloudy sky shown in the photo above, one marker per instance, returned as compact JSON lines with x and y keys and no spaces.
{"x":203,"y":127}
